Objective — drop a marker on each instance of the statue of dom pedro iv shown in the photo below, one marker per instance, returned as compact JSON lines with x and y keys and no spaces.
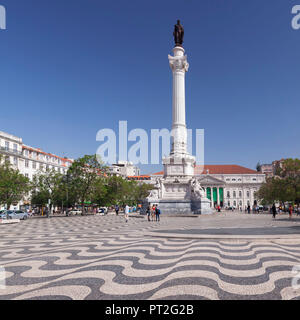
{"x":178,"y":34}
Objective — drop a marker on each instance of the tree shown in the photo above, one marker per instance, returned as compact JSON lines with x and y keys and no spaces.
{"x":122,"y":192}
{"x":13,"y":185}
{"x":258,"y":167}
{"x":285,"y":186}
{"x":141,"y":191}
{"x":99,"y":194}
{"x":47,"y":186}
{"x":85,"y":172}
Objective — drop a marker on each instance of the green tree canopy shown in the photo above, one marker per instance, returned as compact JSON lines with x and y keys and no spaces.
{"x":84,"y":173}
{"x":13,"y":185}
{"x":285,"y":186}
{"x":47,"y":185}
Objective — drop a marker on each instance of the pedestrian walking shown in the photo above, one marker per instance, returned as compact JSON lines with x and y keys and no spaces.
{"x":157,"y":214}
{"x":153,"y":213}
{"x":298,"y":211}
{"x":248,"y":209}
{"x":148,"y":212}
{"x":117,"y":209}
{"x":126,"y":213}
{"x":290,"y":211}
{"x":274,"y":211}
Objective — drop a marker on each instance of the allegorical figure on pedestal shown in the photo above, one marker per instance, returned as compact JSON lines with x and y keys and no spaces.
{"x":178,"y":34}
{"x":198,"y":191}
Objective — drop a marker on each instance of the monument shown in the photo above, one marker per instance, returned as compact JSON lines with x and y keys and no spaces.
{"x":179,"y":192}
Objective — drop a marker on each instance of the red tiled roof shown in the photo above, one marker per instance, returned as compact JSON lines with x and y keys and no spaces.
{"x":134,"y":177}
{"x":220,"y":169}
{"x":45,"y":153}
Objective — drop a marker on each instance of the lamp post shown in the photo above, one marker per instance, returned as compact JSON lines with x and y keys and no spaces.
{"x":66,"y":180}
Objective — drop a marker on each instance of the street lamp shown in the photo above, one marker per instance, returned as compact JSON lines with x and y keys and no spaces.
{"x":66,"y":179}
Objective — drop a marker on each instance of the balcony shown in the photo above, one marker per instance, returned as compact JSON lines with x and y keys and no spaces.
{"x":10,"y":151}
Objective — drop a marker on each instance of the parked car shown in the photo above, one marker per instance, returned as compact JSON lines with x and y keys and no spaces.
{"x":17,"y":214}
{"x":230,"y":208}
{"x":103,"y":210}
{"x":74,"y":212}
{"x":3,"y":215}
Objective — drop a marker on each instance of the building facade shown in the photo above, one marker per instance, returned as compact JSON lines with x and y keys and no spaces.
{"x":224,"y":185}
{"x":267,"y":169}
{"x":29,"y":160}
{"x":124,"y":169}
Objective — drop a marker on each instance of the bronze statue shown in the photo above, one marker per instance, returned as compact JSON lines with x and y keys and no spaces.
{"x":178,"y":34}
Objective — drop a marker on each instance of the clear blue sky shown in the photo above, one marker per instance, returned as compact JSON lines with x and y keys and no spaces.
{"x":70,"y":68}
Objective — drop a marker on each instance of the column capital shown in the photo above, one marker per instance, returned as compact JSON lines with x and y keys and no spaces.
{"x":179,"y":63}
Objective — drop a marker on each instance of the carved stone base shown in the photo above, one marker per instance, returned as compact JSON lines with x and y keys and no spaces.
{"x":201,"y":206}
{"x":171,"y":207}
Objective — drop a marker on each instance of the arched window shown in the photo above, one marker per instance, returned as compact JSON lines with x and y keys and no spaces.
{"x":234,"y":194}
{"x":240,"y":194}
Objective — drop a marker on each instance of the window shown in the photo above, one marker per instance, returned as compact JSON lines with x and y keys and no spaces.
{"x":228,"y":194}
{"x":254,"y":179}
{"x":234,"y":203}
{"x":15,"y":147}
{"x":228,"y":203}
{"x":6,"y":145}
{"x":248,"y":194}
{"x":16,"y":161}
{"x":227,"y":179}
{"x":26,"y":175}
{"x":33,"y":165}
{"x":234,"y":194}
{"x":240,"y":194}
{"x":26,"y":164}
{"x":233,"y":179}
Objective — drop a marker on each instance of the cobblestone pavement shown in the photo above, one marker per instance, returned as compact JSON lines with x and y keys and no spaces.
{"x":103,"y":257}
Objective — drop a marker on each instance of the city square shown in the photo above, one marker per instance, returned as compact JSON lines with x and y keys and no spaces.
{"x":149,"y":151}
{"x":105,"y":258}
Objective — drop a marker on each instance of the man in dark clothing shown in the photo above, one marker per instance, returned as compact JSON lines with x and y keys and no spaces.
{"x":274,"y":211}
{"x":117,"y":209}
{"x":248,"y":209}
{"x":157,"y":214}
{"x":148,"y":212}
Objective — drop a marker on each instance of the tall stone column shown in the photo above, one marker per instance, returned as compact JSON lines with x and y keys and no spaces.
{"x":179,"y":66}
{"x":179,"y":163}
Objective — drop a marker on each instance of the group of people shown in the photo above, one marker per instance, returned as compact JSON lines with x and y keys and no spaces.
{"x":153,"y":213}
{"x":126,"y":211}
{"x":274,"y":211}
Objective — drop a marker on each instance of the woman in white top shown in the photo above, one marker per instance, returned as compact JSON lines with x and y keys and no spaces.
{"x":126,"y":212}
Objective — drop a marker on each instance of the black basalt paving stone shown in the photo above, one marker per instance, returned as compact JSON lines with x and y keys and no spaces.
{"x":236,"y":231}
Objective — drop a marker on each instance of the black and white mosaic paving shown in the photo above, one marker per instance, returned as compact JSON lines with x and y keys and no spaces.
{"x":103,"y":257}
